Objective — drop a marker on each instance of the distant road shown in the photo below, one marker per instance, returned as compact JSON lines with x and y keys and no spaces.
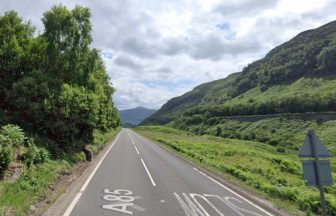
{"x":138,"y":177}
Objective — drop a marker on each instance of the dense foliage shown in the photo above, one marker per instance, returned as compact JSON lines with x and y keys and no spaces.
{"x":12,"y":140}
{"x":287,"y":105}
{"x":54,"y":85}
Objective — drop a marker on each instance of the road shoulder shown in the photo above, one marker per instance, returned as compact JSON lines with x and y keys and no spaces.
{"x":59,"y":207}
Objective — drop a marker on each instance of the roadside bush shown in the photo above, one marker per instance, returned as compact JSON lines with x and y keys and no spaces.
{"x":15,"y":135}
{"x":10,"y":136}
{"x":79,"y":157}
{"x":43,"y":155}
{"x":331,"y":205}
{"x":309,"y":203}
{"x":6,"y":155}
{"x":281,"y":149}
{"x":28,"y":182}
{"x":35,"y":155}
{"x":279,"y":192}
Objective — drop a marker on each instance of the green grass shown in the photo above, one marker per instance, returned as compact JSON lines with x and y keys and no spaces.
{"x":33,"y":185}
{"x":255,"y":165}
{"x":280,"y":132}
{"x":100,"y":139}
{"x":303,"y":87}
{"x":17,"y":197}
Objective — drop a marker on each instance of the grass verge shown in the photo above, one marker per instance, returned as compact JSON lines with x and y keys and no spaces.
{"x":35,"y":184}
{"x":253,"y":165}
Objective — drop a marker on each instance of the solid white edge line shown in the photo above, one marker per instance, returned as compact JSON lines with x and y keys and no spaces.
{"x":79,"y":194}
{"x":223,"y":186}
{"x":202,"y":172}
{"x":148,"y":173}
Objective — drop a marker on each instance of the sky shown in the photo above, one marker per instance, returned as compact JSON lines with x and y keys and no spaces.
{"x":155,"y":50}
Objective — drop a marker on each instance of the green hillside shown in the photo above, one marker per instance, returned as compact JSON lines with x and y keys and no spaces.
{"x":199,"y":95}
{"x":269,"y":105}
{"x":297,"y":76}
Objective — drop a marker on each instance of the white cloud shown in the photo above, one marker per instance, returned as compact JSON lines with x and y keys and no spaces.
{"x":155,"y":50}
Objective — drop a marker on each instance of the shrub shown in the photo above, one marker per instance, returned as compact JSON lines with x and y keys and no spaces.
{"x":281,"y":149}
{"x":15,"y":135}
{"x":43,"y":155}
{"x":35,"y":155}
{"x":5,"y":141}
{"x":28,"y":182}
{"x":6,"y":155}
{"x":79,"y":157}
{"x":11,"y":136}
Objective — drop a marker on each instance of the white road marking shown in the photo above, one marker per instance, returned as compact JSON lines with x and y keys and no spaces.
{"x":221,"y":199}
{"x":130,"y":137}
{"x":79,"y":194}
{"x":193,"y":196}
{"x":121,"y":200}
{"x":72,"y":205}
{"x":239,"y":208}
{"x":119,"y":207}
{"x":189,"y":207}
{"x":223,"y":186}
{"x":136,"y":149}
{"x":200,"y":171}
{"x":162,"y":201}
{"x":148,"y":173}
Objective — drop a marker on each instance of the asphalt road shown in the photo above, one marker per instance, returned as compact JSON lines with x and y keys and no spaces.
{"x":138,"y":177}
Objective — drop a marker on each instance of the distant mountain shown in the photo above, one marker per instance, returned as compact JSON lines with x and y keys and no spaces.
{"x":134,"y":116}
{"x":297,"y":76}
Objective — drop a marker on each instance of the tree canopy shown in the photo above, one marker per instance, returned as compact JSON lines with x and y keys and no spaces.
{"x":54,"y":84}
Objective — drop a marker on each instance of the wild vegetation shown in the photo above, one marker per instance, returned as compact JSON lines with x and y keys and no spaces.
{"x":55,"y":98}
{"x":255,"y":165}
{"x":54,"y":85}
{"x":296,"y":77}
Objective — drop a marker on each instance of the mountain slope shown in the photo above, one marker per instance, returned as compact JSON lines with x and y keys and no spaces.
{"x":201,"y":94}
{"x":301,"y":71}
{"x":135,"y":116}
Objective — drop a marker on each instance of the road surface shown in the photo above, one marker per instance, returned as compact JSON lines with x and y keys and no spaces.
{"x":138,"y":177}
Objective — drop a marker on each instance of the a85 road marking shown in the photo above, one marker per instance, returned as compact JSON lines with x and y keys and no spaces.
{"x":238,"y":195}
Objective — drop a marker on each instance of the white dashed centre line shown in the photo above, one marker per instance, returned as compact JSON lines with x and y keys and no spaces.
{"x":130,"y":137}
{"x":148,"y":173}
{"x":136,"y":149}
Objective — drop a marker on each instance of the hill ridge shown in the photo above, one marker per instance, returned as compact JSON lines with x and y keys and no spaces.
{"x":304,"y":62}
